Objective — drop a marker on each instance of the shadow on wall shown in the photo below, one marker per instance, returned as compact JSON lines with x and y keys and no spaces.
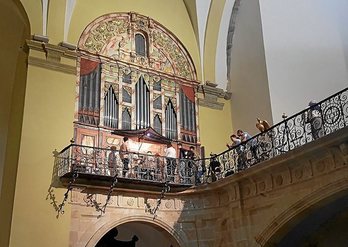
{"x":137,"y":234}
{"x":109,"y":239}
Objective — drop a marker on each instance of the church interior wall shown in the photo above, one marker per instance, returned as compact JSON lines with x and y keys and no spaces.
{"x":12,"y":89}
{"x":215,"y":128}
{"x":306,"y":56}
{"x":47,"y":128}
{"x":248,"y":73}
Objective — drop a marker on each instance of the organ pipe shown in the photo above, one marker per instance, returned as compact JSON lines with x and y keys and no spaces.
{"x":111,"y":109}
{"x":142,"y":104}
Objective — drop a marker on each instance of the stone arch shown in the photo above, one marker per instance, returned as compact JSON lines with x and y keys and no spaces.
{"x":277,"y":229}
{"x":178,"y":235}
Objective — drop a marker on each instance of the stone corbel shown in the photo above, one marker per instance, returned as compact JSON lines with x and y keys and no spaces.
{"x":209,"y":95}
{"x":52,"y":56}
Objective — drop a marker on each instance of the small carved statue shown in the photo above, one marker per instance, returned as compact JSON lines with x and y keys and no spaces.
{"x":262,"y":125}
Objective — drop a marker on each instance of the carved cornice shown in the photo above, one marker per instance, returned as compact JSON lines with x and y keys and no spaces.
{"x":210,"y":95}
{"x":52,"y":58}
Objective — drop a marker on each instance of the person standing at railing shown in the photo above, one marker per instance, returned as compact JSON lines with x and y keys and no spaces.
{"x":112,"y":162}
{"x":245,"y":136}
{"x":183,"y":169}
{"x":193,"y":168}
{"x":314,"y":118}
{"x":241,"y":157}
{"x":171,"y":163}
{"x":235,"y":141}
{"x":124,"y":156}
{"x":159,"y":161}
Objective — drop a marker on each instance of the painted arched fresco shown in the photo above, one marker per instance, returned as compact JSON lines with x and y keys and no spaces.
{"x":113,"y":35}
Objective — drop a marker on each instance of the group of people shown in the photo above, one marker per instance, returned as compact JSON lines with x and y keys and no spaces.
{"x":112,"y":158}
{"x":238,"y":138}
{"x":181,"y":161}
{"x":149,"y":166}
{"x":185,"y":167}
{"x":312,"y":116}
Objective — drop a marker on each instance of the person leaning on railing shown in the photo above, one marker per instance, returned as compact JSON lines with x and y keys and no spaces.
{"x":235,"y":141}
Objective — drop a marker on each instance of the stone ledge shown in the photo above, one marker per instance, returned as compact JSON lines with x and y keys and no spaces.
{"x":54,"y":55}
{"x":210,"y":94}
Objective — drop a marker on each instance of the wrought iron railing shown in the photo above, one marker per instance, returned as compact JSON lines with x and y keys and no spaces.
{"x":316,"y":121}
{"x":128,"y":165}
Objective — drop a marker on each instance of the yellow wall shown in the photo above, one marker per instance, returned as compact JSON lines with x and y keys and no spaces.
{"x":47,"y":125}
{"x":12,"y":89}
{"x":215,"y":128}
{"x":55,"y":25}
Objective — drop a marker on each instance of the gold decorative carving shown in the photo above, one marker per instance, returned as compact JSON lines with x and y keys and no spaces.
{"x":128,"y":89}
{"x":155,"y":96}
{"x":101,"y":34}
{"x":127,"y":108}
{"x":126,"y":70}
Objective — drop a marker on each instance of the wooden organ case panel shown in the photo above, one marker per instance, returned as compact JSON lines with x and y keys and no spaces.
{"x":135,"y":76}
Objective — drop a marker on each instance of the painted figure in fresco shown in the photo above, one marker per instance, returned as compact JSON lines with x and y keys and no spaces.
{"x":112,"y":162}
{"x":124,"y":150}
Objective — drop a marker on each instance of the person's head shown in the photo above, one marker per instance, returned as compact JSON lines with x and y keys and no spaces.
{"x":312,"y":103}
{"x":233,"y":136}
{"x":179,"y":145}
{"x":125,"y":139}
{"x":149,"y":152}
{"x":240,"y":132}
{"x":192,"y":148}
{"x":169,"y":145}
{"x":113,"y":148}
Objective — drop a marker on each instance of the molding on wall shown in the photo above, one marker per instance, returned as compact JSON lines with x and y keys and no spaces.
{"x":53,"y":55}
{"x":209,"y":95}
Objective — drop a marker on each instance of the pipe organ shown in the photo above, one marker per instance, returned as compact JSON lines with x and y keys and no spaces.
{"x":134,"y":74}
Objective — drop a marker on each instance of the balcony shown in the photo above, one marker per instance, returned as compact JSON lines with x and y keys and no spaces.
{"x":97,"y":167}
{"x":92,"y":166}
